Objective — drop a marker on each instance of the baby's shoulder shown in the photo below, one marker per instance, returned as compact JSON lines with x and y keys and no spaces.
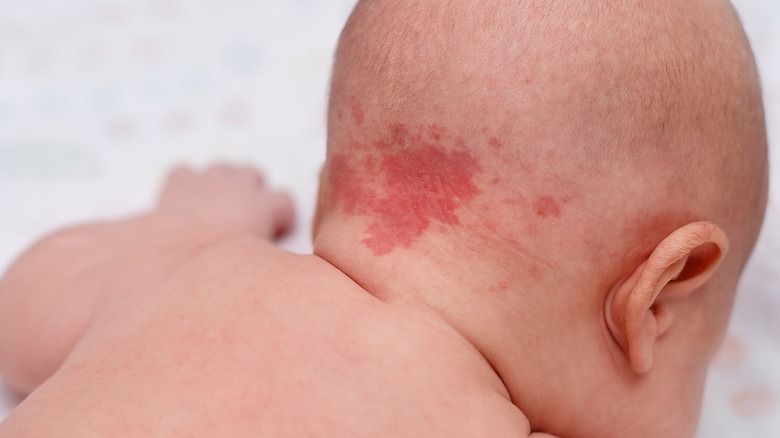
{"x":319,"y":353}
{"x":249,"y":264}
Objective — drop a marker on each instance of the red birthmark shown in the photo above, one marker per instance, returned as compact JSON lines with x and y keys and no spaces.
{"x":547,"y":206}
{"x":417,"y":181}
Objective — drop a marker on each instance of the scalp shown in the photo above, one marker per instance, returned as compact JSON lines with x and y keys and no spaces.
{"x":604,"y":114}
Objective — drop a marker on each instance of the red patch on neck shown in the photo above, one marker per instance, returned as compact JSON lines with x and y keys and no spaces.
{"x":415,"y":182}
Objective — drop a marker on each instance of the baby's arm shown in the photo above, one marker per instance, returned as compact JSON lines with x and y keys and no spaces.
{"x":48,"y":296}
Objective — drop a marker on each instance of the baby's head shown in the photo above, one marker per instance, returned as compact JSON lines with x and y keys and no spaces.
{"x":574,"y":185}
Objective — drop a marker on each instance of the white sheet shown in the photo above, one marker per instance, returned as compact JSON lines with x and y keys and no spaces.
{"x":97,"y":99}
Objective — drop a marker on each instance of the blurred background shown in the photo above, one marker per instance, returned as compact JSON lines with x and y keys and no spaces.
{"x":98,"y":98}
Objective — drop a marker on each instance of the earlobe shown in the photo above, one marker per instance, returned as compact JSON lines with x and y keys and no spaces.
{"x":636,"y":310}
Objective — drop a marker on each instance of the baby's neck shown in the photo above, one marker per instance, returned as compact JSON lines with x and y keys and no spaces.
{"x":433,"y":266}
{"x":430,"y":277}
{"x":487,"y":302}
{"x":417,"y":341}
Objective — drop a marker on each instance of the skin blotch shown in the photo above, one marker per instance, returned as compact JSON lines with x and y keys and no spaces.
{"x":546,"y":206}
{"x":410,"y":181}
{"x":500,"y":287}
{"x":436,"y":132}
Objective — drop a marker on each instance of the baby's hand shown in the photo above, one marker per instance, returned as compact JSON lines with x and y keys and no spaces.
{"x":227,"y":197}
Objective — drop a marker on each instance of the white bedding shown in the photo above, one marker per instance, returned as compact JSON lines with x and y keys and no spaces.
{"x":97,"y":99}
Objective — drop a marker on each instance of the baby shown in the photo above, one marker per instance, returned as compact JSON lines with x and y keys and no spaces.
{"x":532,"y":221}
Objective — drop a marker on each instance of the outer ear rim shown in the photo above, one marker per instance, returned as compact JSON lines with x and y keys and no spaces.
{"x":668,"y":259}
{"x":633,"y":300}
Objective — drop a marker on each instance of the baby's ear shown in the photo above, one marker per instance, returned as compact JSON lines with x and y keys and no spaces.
{"x":636,"y":309}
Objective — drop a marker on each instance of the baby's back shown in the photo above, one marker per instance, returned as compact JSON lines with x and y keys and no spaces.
{"x":245,"y":340}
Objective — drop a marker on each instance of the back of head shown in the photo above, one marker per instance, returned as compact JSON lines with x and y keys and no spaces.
{"x":550,"y":143}
{"x":564,"y":106}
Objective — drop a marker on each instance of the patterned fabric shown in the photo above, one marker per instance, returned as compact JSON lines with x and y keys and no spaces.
{"x":98,"y":98}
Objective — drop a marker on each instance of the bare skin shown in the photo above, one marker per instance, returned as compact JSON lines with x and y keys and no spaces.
{"x":532,"y":220}
{"x":584,"y":180}
{"x":211,"y":331}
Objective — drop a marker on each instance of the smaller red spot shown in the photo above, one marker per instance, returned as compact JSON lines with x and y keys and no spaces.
{"x":436,"y":132}
{"x":495,"y":143}
{"x":500,"y":287}
{"x":536,"y":271}
{"x":357,"y":114}
{"x":495,"y":181}
{"x":546,"y":206}
{"x":340,"y":115}
{"x":399,"y":134}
